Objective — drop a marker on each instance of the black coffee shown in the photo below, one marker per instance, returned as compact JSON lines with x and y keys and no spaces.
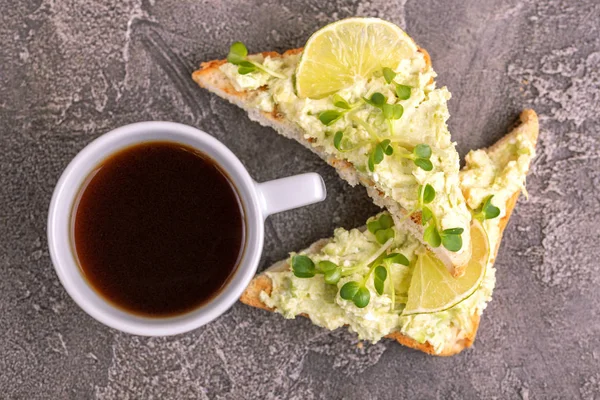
{"x":158,"y":229}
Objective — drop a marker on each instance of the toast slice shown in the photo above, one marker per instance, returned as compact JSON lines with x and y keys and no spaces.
{"x":527,"y":130}
{"x":216,"y":77}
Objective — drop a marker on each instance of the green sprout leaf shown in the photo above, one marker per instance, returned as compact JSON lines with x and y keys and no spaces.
{"x":379,"y":285}
{"x":245,"y":67}
{"x":331,"y":271}
{"x":377,"y":100}
{"x":428,"y":194}
{"x":422,"y":151}
{"x":398,"y":111}
{"x":387,"y":147}
{"x":421,"y":155}
{"x":489,"y":210}
{"x":362,"y":297}
{"x":387,"y":110}
{"x":349,"y":290}
{"x":326,"y":266}
{"x":392,"y":111}
{"x":382,"y":228}
{"x":237,"y":53}
{"x":403,"y":91}
{"x":396,"y":258}
{"x":424,"y":164}
{"x":337,"y":140}
{"x":373,"y":226}
{"x":333,"y":277}
{"x":379,"y":279}
{"x":432,"y":236}
{"x":453,"y":231}
{"x":426,"y":215}
{"x":303,"y":267}
{"x":378,"y":154}
{"x":492,"y":212}
{"x":380,"y":273}
{"x":386,"y":221}
{"x":238,"y":56}
{"x":452,"y":242}
{"x":388,"y":74}
{"x":339,"y":101}
{"x":329,"y":117}
{"x":371,"y":162}
{"x":384,"y":235}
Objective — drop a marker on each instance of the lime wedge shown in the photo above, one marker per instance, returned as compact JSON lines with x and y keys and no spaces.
{"x":433,"y":289}
{"x":341,"y":53}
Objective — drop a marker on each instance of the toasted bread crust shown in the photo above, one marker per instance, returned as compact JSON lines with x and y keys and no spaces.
{"x":210,"y":77}
{"x":528,"y":124}
{"x":251,"y":296}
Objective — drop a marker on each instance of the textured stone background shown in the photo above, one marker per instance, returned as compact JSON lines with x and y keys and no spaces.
{"x":71,"y":70}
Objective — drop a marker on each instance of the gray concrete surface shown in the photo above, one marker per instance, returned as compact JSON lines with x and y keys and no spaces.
{"x":71,"y":70}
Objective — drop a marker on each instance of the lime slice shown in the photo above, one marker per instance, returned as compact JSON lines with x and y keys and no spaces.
{"x":433,"y":289}
{"x":338,"y":55}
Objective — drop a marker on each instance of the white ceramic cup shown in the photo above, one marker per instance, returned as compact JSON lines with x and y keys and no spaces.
{"x":259,"y":201}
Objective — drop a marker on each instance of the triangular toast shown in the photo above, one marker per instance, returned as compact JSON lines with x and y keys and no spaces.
{"x":527,"y":128}
{"x":211,"y":76}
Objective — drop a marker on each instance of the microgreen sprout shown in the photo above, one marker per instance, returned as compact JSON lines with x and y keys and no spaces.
{"x":356,"y":292}
{"x":487,"y":210}
{"x":341,"y":145}
{"x":304,"y":267}
{"x":396,"y":258}
{"x":402,"y":91}
{"x":450,"y":238}
{"x":390,"y":111}
{"x":379,"y":276}
{"x":427,"y":193}
{"x":328,"y":117}
{"x":381,"y":148}
{"x":340,"y":102}
{"x":432,"y":236}
{"x":382,"y":228}
{"x":331,"y":271}
{"x":421,"y":156}
{"x":393,"y":258}
{"x":376,"y":100}
{"x":388,"y":74}
{"x":337,"y":140}
{"x":238,"y":55}
{"x":376,"y":156}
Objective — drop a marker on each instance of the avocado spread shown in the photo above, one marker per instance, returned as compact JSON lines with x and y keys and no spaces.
{"x":501,"y":173}
{"x":361,"y":126}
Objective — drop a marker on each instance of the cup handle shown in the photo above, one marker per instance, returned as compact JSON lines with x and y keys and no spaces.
{"x":292,"y":192}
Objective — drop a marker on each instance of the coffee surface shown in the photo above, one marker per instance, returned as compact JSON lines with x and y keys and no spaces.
{"x":158,"y":229}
